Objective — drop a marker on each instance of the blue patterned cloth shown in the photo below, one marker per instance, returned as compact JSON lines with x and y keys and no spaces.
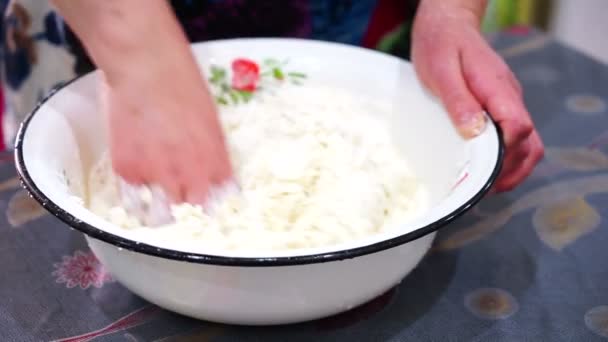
{"x":525,"y":266}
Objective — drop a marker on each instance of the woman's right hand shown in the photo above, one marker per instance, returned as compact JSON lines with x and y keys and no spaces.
{"x":164,"y":129}
{"x":166,"y":133}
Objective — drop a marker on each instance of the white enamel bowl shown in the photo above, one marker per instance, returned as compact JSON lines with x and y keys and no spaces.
{"x":65,"y":135}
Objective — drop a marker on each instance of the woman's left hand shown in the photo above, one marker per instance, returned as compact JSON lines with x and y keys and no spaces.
{"x":455,"y":62}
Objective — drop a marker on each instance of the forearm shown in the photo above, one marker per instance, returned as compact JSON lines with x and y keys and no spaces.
{"x":120,"y":34}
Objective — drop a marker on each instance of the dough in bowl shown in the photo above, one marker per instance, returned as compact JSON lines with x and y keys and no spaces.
{"x":316,"y":167}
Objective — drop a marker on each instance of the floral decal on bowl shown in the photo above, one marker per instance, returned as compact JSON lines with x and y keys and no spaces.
{"x":249,"y":77}
{"x":245,"y":75}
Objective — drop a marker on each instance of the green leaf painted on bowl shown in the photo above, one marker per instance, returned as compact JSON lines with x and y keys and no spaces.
{"x":278,"y":74}
{"x":296,"y":74}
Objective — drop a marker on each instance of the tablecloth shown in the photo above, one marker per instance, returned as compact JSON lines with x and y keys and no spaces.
{"x":530,"y":265}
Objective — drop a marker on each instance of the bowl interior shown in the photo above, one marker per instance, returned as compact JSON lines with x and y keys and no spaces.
{"x":66,"y":135}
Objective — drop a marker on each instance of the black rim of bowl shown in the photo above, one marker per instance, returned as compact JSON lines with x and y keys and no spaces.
{"x":165,"y":253}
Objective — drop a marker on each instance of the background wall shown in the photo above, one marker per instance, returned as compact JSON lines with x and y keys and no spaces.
{"x":505,"y":13}
{"x":582,"y":24}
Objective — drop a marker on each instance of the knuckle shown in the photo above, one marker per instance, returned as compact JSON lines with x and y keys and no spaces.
{"x":503,"y":72}
{"x":477,"y":81}
{"x":522,"y":130}
{"x":498,"y":61}
{"x":539,"y":153}
{"x":505,"y":186}
{"x":512,"y":183}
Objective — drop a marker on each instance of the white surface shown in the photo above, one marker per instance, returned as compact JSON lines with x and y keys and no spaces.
{"x":583,"y":25}
{"x":271,"y":295}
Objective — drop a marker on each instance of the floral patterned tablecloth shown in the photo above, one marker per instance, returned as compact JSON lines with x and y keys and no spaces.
{"x":531,"y":265}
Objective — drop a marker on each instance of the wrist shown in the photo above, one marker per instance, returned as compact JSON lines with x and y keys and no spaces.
{"x":141,"y":52}
{"x":128,"y":57}
{"x":130,"y":40}
{"x":469,"y":11}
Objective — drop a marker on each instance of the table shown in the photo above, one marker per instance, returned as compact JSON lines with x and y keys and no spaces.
{"x":531,"y":265}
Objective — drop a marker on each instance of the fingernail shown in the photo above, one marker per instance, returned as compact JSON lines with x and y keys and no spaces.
{"x":472,"y":125}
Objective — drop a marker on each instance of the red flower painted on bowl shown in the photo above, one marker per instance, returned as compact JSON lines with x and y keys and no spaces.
{"x":82,"y":269}
{"x":245,"y":75}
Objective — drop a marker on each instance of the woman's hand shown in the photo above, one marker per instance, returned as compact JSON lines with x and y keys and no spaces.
{"x":167,"y":134}
{"x":455,"y":62}
{"x":164,"y":129}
